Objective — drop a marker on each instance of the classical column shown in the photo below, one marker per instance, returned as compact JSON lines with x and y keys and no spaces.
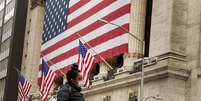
{"x":137,"y":25}
{"x":33,"y":42}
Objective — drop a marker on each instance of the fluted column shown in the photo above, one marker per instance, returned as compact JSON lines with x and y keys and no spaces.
{"x":137,"y":25}
{"x":103,"y":69}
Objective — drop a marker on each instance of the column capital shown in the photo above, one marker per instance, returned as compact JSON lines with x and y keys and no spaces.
{"x":133,"y":55}
{"x":35,"y":3}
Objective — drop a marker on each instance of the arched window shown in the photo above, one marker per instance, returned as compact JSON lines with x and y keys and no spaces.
{"x":95,"y":71}
{"x":116,"y":61}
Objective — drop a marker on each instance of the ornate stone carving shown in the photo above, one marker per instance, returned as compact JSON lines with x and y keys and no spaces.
{"x":35,"y":3}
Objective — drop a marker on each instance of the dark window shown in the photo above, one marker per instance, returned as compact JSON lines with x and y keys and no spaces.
{"x":107,"y":98}
{"x":116,"y":61}
{"x":132,"y":96}
{"x":95,"y":71}
{"x":7,"y":30}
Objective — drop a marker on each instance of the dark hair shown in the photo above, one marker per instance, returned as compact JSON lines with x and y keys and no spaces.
{"x":73,"y":73}
{"x":59,"y":81}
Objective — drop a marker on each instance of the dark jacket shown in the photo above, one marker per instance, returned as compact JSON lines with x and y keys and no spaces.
{"x":69,"y":92}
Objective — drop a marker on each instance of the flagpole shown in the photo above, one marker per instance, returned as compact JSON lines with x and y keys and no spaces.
{"x":104,"y":21}
{"x":54,"y":66}
{"x":110,"y":67}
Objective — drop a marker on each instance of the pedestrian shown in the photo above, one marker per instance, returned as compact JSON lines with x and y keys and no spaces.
{"x":58,"y":83}
{"x":71,"y":91}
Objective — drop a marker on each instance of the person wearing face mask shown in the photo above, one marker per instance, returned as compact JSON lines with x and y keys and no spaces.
{"x":71,"y":91}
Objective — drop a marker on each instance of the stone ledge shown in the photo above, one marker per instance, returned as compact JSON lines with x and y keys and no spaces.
{"x":162,"y":69}
{"x":134,"y":79}
{"x":173,"y":55}
{"x":123,"y":82}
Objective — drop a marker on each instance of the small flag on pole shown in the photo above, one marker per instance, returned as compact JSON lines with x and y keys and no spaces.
{"x":24,"y":87}
{"x":48,"y":77}
{"x":85,"y":63}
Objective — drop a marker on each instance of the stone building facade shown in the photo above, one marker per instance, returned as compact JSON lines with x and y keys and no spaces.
{"x":172,"y":69}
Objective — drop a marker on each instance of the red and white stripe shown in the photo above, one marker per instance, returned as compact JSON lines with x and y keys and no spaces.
{"x":47,"y":84}
{"x":23,"y":90}
{"x":106,"y":39}
{"x":85,"y":66}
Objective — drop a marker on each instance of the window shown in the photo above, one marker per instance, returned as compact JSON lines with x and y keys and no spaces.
{"x":95,"y":71}
{"x":2,"y":87}
{"x":7,"y":30}
{"x":1,"y":16}
{"x":9,"y":11}
{"x":107,"y":98}
{"x":2,"y":4}
{"x":10,"y":6}
{"x":3,"y":64}
{"x":5,"y":45}
{"x":4,"y":54}
{"x":116,"y":62}
{"x":133,"y":96}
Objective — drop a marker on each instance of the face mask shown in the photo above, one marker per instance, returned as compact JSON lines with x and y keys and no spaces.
{"x":80,"y":83}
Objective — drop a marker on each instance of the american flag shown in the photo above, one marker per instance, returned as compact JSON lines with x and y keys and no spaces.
{"x":65,"y":18}
{"x":85,"y":63}
{"x":24,"y":87}
{"x":48,"y":77}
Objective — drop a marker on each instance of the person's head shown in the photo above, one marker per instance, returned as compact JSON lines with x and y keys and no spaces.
{"x":74,"y":76}
{"x":59,"y":81}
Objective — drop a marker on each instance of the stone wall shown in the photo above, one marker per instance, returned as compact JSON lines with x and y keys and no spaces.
{"x":193,"y":49}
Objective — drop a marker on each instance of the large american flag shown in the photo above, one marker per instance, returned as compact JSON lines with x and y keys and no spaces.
{"x":24,"y":87}
{"x":85,"y":63}
{"x":65,"y":18}
{"x":48,"y":77}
